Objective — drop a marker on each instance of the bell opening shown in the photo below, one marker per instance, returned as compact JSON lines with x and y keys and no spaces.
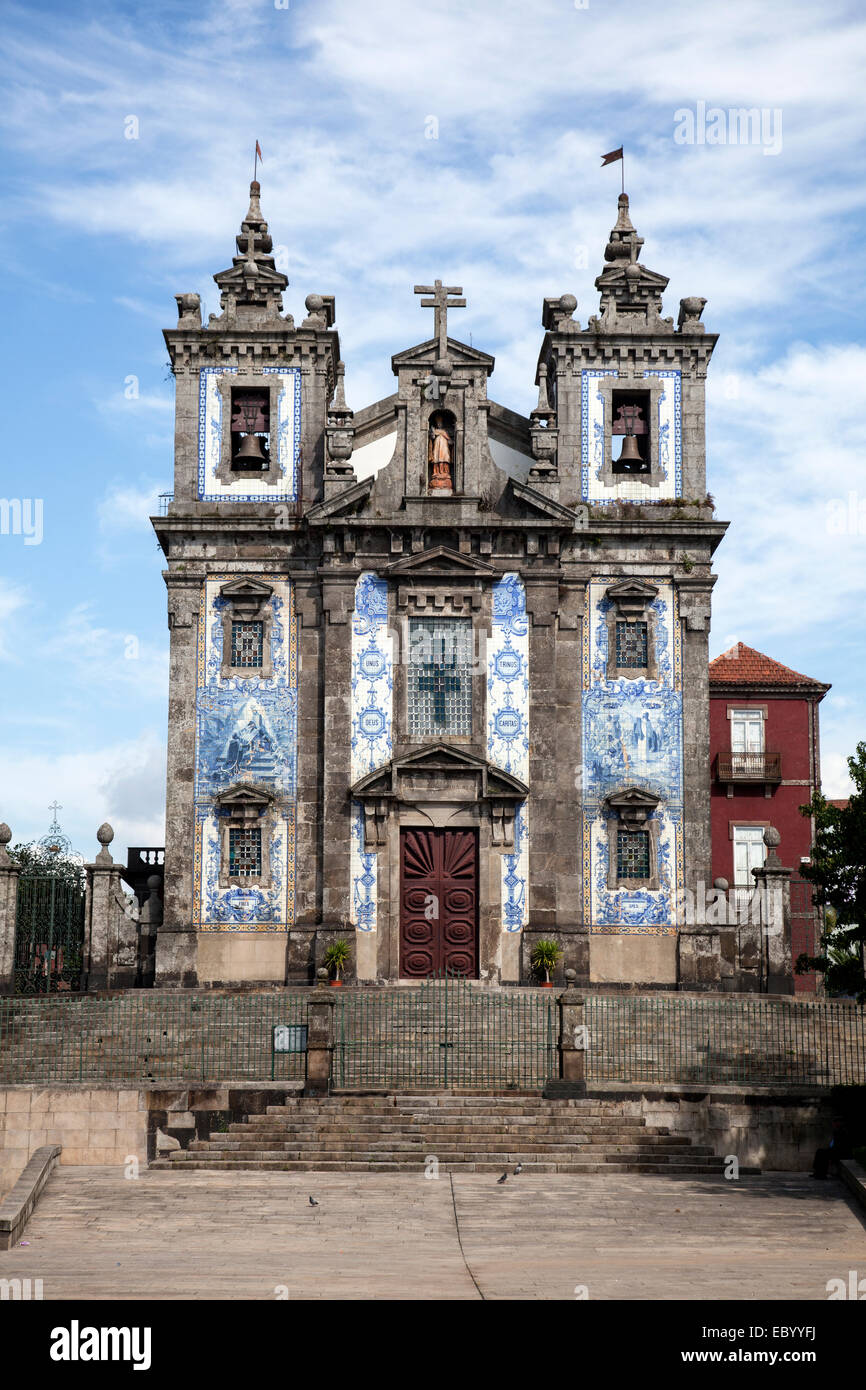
{"x":631,"y":415}
{"x":250,"y":430}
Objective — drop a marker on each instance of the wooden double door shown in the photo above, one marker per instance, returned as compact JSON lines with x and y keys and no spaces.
{"x":438,"y":902}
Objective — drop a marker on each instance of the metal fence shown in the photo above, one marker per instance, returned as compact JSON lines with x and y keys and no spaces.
{"x":144,"y":1037}
{"x":448,"y":1033}
{"x":445,"y":1034}
{"x":761,"y":1041}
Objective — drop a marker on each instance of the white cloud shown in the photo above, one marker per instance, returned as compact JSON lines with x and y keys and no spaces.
{"x":123,"y":783}
{"x":128,"y":507}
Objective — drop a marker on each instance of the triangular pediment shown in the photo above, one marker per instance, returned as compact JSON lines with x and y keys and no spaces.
{"x":343,"y":502}
{"x":634,"y":589}
{"x":245,"y":794}
{"x":441,"y":561}
{"x":494,"y":783}
{"x":426,"y":353}
{"x":246,"y":589}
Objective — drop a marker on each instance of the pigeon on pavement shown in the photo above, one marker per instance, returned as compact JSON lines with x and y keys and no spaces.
{"x":502,"y":1179}
{"x":313,"y":1202}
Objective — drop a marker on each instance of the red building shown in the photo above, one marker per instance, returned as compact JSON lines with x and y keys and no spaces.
{"x":765,"y":760}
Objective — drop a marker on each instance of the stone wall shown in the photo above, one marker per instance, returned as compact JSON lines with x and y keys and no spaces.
{"x":98,"y":1124}
{"x":767,"y":1129}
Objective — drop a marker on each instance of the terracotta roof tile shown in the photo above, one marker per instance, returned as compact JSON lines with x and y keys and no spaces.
{"x":742,"y":665}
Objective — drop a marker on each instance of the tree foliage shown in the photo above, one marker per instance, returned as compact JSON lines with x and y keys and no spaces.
{"x":838,"y":875}
{"x":35,"y":862}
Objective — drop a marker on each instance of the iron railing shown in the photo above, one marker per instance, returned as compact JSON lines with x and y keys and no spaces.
{"x":447,"y":1033}
{"x":749,"y":767}
{"x":760,"y":1041}
{"x":441,"y":1035}
{"x":145,"y":1037}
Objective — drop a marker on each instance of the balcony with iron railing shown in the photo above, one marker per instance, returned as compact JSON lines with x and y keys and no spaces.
{"x":741,"y":769}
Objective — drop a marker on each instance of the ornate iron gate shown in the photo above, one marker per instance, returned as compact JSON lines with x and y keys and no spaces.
{"x":446,"y":1033}
{"x":49,"y":935}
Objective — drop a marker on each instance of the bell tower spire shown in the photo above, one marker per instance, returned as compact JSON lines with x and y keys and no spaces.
{"x":631,"y":295}
{"x":252,"y":289}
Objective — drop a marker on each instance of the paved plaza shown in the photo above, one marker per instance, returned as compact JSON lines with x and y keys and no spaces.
{"x":166,"y":1235}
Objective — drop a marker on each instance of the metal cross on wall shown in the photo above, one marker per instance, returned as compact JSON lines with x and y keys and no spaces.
{"x":440,"y":684}
{"x":440,"y":303}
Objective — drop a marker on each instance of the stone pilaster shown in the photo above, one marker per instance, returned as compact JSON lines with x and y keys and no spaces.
{"x":176,"y":949}
{"x":320,"y":1037}
{"x":572,"y":1046}
{"x":8,"y":905}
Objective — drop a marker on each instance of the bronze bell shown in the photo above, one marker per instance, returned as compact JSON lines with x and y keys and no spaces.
{"x":250,"y":454}
{"x":630,"y":459}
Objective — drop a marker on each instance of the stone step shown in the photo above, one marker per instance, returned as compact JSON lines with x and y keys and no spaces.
{"x":709,"y":1168}
{"x":496,"y":1140}
{"x":504,"y":1159}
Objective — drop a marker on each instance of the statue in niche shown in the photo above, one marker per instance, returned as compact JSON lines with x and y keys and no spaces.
{"x":440,"y":451}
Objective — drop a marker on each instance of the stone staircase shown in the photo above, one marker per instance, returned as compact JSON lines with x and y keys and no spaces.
{"x":482,"y":1134}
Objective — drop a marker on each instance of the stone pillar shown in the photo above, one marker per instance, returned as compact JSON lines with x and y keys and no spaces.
{"x":699,"y":957}
{"x":320,"y":1037}
{"x":111,"y":932}
{"x":775,"y":882}
{"x":8,"y":905}
{"x":572,"y":1045}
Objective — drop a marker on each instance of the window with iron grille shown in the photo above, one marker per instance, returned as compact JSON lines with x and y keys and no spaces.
{"x":247,"y":644}
{"x":631,"y":646}
{"x":245,"y":852}
{"x":440,"y":676}
{"x":632,"y":854}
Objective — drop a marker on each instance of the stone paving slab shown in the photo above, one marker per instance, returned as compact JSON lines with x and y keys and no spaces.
{"x":200,"y":1235}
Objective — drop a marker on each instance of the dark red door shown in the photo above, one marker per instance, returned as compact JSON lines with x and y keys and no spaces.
{"x":438,"y":902}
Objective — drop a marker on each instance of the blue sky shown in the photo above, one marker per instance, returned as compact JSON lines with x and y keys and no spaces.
{"x":100,"y":231}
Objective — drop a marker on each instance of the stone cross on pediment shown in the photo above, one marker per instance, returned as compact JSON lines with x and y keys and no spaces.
{"x":440,"y":303}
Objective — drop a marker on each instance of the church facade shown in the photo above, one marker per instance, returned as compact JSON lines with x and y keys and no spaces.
{"x":439,"y":671}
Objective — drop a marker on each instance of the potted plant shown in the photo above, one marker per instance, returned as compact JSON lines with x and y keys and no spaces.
{"x":544,"y":956}
{"x":337,"y":958}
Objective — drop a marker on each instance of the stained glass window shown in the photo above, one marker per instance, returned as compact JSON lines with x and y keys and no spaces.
{"x":440,"y":676}
{"x":247,"y":644}
{"x":245,"y":852}
{"x":631,"y":646}
{"x":632,"y":854}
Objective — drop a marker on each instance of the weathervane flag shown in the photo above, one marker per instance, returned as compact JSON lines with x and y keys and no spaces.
{"x":611,"y":158}
{"x":259,"y":156}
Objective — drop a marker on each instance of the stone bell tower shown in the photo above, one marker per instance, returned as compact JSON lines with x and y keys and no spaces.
{"x":626,"y":399}
{"x":251,"y":415}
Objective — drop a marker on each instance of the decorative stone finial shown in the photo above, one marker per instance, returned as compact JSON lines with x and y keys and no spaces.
{"x":322,"y":975}
{"x":772,"y":839}
{"x":188,"y":310}
{"x":105,"y":835}
{"x":5,"y":837}
{"x":689,"y":320}
{"x":154,"y":882}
